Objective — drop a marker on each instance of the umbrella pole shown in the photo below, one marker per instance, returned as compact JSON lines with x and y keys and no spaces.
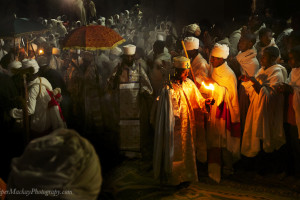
{"x":25,"y":112}
{"x":33,"y":50}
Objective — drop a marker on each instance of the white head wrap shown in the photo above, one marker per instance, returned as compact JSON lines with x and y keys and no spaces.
{"x":160,"y":37}
{"x":191,"y":43}
{"x":181,"y":62}
{"x":13,"y":66}
{"x":220,"y":51}
{"x":26,"y":63}
{"x":129,"y":49}
{"x":192,"y":28}
{"x":62,"y":160}
{"x":116,"y":51}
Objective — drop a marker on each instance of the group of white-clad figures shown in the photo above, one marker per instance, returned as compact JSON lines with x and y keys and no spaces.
{"x":203,"y":109}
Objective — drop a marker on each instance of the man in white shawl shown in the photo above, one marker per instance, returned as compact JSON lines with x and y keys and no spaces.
{"x":42,"y":103}
{"x":60,"y":166}
{"x":223,"y":137}
{"x":174,"y":160}
{"x":292,"y":88}
{"x":248,"y":65}
{"x":264,"y":121}
{"x":199,"y":64}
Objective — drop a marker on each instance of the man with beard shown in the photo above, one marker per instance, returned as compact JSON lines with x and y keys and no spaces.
{"x":132,"y":87}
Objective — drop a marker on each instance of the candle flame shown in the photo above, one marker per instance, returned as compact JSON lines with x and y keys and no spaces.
{"x":41,"y":52}
{"x":208,"y":87}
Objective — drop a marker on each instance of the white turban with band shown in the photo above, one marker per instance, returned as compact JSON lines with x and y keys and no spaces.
{"x":129,"y":49}
{"x":14,"y":65}
{"x":61,"y":161}
{"x":220,"y":51}
{"x":26,"y":63}
{"x":192,"y":28}
{"x":191,"y":43}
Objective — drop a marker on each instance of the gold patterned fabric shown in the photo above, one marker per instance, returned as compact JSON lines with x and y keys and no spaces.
{"x":185,"y":99}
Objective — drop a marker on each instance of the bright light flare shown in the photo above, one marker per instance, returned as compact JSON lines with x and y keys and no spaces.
{"x":208,"y":87}
{"x":41,"y":52}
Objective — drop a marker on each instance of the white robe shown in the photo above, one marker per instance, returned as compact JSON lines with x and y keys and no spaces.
{"x":42,"y":118}
{"x":219,"y":135}
{"x":248,"y":62}
{"x":294,"y":81}
{"x":264,"y":119}
{"x":200,"y":68}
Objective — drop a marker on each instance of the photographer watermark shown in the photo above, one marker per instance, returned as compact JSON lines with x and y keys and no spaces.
{"x":35,"y":191}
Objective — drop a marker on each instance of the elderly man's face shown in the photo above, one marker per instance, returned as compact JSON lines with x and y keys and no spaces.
{"x":216,"y":62}
{"x":128,"y":59}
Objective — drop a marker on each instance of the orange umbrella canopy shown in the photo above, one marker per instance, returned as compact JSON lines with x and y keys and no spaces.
{"x":92,"y":37}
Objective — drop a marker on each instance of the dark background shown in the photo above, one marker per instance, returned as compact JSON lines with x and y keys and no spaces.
{"x":178,"y":10}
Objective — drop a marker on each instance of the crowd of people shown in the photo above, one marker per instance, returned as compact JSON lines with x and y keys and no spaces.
{"x":208,"y":95}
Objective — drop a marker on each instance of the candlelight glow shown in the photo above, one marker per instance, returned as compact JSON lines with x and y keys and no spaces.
{"x":209,"y":87}
{"x":41,"y":52}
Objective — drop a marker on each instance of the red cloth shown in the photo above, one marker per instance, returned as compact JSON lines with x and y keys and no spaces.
{"x":224,"y":113}
{"x":53,"y":102}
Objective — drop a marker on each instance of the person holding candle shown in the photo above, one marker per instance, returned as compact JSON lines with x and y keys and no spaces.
{"x":264,"y":133}
{"x":174,"y":144}
{"x":223,"y":134}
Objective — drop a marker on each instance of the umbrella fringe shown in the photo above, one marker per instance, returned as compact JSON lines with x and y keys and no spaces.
{"x":95,"y":48}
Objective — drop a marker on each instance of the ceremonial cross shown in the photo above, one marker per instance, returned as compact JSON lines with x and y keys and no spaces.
{"x":187,"y":65}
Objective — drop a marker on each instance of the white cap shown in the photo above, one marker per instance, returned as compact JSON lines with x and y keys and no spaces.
{"x":26,"y":63}
{"x":129,"y":49}
{"x":191,"y":43}
{"x":55,"y":51}
{"x":192,"y":28}
{"x":160,"y":37}
{"x":14,"y":65}
{"x":220,"y":51}
{"x":181,"y":62}
{"x":116,"y":51}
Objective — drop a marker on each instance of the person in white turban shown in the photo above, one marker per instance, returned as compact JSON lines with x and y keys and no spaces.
{"x":192,"y":30}
{"x":43,"y":120}
{"x":223,"y":138}
{"x":131,"y":84}
{"x":199,"y":65}
{"x":60,"y":166}
{"x":174,"y":160}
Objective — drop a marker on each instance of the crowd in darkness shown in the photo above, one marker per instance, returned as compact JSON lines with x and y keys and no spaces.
{"x":251,"y":56}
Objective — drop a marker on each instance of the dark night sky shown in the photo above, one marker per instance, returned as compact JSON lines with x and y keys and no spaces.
{"x":189,"y":10}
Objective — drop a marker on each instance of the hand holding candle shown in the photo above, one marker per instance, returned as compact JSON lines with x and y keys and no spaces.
{"x":209,"y":100}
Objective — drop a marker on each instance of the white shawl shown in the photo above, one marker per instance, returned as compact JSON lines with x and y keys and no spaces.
{"x":264,"y":119}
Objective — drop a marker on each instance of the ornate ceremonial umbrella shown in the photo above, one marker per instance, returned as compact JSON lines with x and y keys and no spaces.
{"x":92,"y":37}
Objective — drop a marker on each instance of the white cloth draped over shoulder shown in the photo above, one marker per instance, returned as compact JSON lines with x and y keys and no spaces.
{"x":248,"y":62}
{"x":224,"y":127}
{"x":175,"y":133}
{"x":264,"y":119}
